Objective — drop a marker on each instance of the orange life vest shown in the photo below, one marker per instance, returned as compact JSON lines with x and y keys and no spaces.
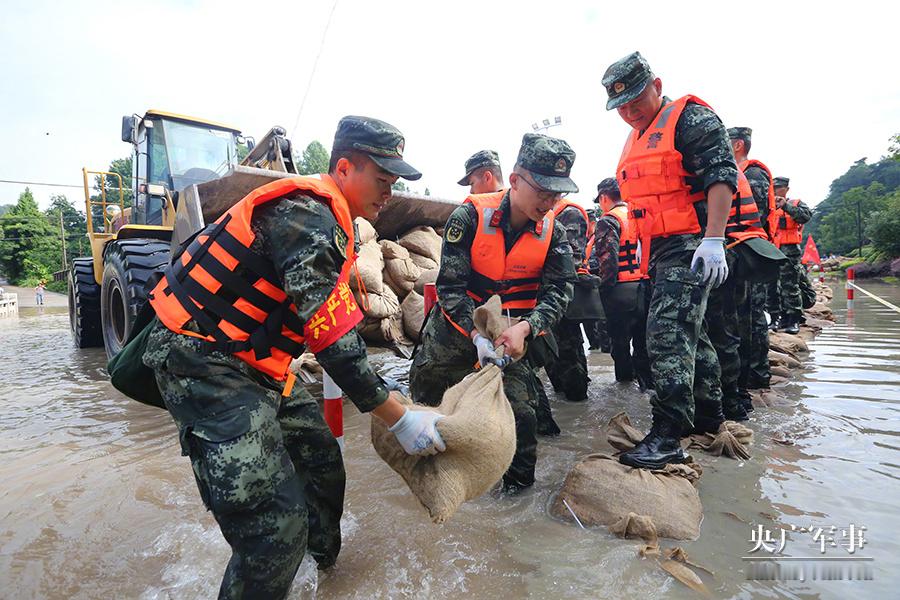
{"x":771,"y":224}
{"x":743,"y":219}
{"x":653,"y":179}
{"x":235,"y":296}
{"x":514,"y":276}
{"x":629,"y":269}
{"x":789,"y":230}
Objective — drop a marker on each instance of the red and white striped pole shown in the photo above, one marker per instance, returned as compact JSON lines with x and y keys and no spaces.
{"x":334,"y":407}
{"x":851,"y":275}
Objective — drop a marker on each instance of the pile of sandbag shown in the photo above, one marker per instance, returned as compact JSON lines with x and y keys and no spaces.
{"x":393,"y":276}
{"x":478,"y":429}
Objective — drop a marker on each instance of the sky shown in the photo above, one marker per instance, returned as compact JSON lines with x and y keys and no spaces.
{"x":815,"y":81}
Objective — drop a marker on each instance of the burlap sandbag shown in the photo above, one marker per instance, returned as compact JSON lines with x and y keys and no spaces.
{"x":787,"y":343}
{"x":391,"y":249}
{"x":732,"y":440}
{"x":383,"y":304}
{"x":782,"y":359}
{"x":365,"y":229}
{"x":370,"y":265}
{"x":479,"y":431}
{"x":602,"y":491}
{"x":413,"y":309}
{"x":429,"y":276}
{"x":423,"y":241}
{"x":423,"y":262}
{"x":820,"y":311}
{"x":384,"y":331}
{"x":402,"y":274}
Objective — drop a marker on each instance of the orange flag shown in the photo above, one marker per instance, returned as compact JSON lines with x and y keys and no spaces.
{"x":810,"y":253}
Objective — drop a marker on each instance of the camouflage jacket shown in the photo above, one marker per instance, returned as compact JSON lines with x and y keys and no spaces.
{"x":557,"y":281}
{"x":800,"y":213}
{"x":759,"y":183}
{"x":576,"y":231}
{"x":604,"y":259}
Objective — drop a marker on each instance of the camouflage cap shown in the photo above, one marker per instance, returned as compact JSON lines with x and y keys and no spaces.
{"x":381,"y":141}
{"x":608,"y":186}
{"x":482,"y":158}
{"x":740,"y":133}
{"x":549,"y":160}
{"x":780,"y":182}
{"x":625,"y":79}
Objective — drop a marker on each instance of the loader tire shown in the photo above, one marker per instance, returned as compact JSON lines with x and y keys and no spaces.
{"x":84,"y":304}
{"x":127,"y":267}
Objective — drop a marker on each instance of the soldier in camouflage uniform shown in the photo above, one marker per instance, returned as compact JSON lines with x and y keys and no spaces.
{"x":596,"y":329}
{"x":483,"y":173}
{"x":627,"y":320}
{"x":751,"y":298}
{"x":785,"y":299}
{"x":265,"y":462}
{"x":484,"y":176}
{"x":682,"y":266}
{"x":450,"y":345}
{"x":568,"y":371}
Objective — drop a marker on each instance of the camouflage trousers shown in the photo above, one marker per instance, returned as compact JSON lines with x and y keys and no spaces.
{"x":627,"y":329}
{"x":682,"y":359}
{"x":754,"y":337}
{"x":784,"y":296}
{"x":444,"y":357}
{"x":568,"y":372}
{"x":267,"y":466}
{"x":597,"y":334}
{"x":724,"y":328}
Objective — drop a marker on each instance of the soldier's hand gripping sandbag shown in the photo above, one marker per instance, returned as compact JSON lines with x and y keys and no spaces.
{"x":709,"y":258}
{"x":417,"y":434}
{"x":487,"y":354}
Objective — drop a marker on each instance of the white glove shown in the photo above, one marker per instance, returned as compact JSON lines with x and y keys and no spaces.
{"x":710,"y":258}
{"x":487,"y":354}
{"x":417,"y":434}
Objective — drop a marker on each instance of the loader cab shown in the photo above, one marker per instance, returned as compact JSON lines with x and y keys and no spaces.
{"x":171,"y":153}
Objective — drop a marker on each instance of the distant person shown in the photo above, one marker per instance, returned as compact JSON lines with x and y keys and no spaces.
{"x":39,"y":294}
{"x":785,"y":301}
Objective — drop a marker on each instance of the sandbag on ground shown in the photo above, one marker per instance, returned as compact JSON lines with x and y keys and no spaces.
{"x":479,"y":431}
{"x":423,"y":241}
{"x":602,"y":491}
{"x":787,"y":343}
{"x":384,"y":331}
{"x":820,"y":311}
{"x":383,"y":304}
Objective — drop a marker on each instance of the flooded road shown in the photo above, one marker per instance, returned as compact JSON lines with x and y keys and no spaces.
{"x":97,"y":502}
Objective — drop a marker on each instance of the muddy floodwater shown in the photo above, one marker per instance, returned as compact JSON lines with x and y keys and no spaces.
{"x":96,"y":500}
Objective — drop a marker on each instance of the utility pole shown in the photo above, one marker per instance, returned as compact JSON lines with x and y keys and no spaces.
{"x":62,"y":235}
{"x":859,"y":227}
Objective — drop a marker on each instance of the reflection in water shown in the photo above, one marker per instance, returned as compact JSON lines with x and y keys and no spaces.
{"x":98,"y":502}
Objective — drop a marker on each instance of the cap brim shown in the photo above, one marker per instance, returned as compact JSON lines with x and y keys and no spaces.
{"x":626,"y":96}
{"x":465,"y":180}
{"x":396,"y":166}
{"x":560,"y":185}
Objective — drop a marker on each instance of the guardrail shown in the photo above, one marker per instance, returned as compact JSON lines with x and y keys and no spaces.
{"x":9,"y":305}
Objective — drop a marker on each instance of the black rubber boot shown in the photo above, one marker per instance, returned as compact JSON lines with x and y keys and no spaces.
{"x":791,"y":327}
{"x":661,"y":447}
{"x":773,"y":325}
{"x":735,"y":411}
{"x":747,"y":401}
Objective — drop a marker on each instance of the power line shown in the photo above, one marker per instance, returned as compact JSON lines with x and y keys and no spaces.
{"x":66,"y":185}
{"x":314,"y":67}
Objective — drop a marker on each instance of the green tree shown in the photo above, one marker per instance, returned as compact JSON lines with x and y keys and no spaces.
{"x":399,"y":186}
{"x":840,"y":229}
{"x":74,"y":224}
{"x":884,"y":226}
{"x":30,"y":249}
{"x":121,"y":166}
{"x":894,"y":148}
{"x":314,"y":159}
